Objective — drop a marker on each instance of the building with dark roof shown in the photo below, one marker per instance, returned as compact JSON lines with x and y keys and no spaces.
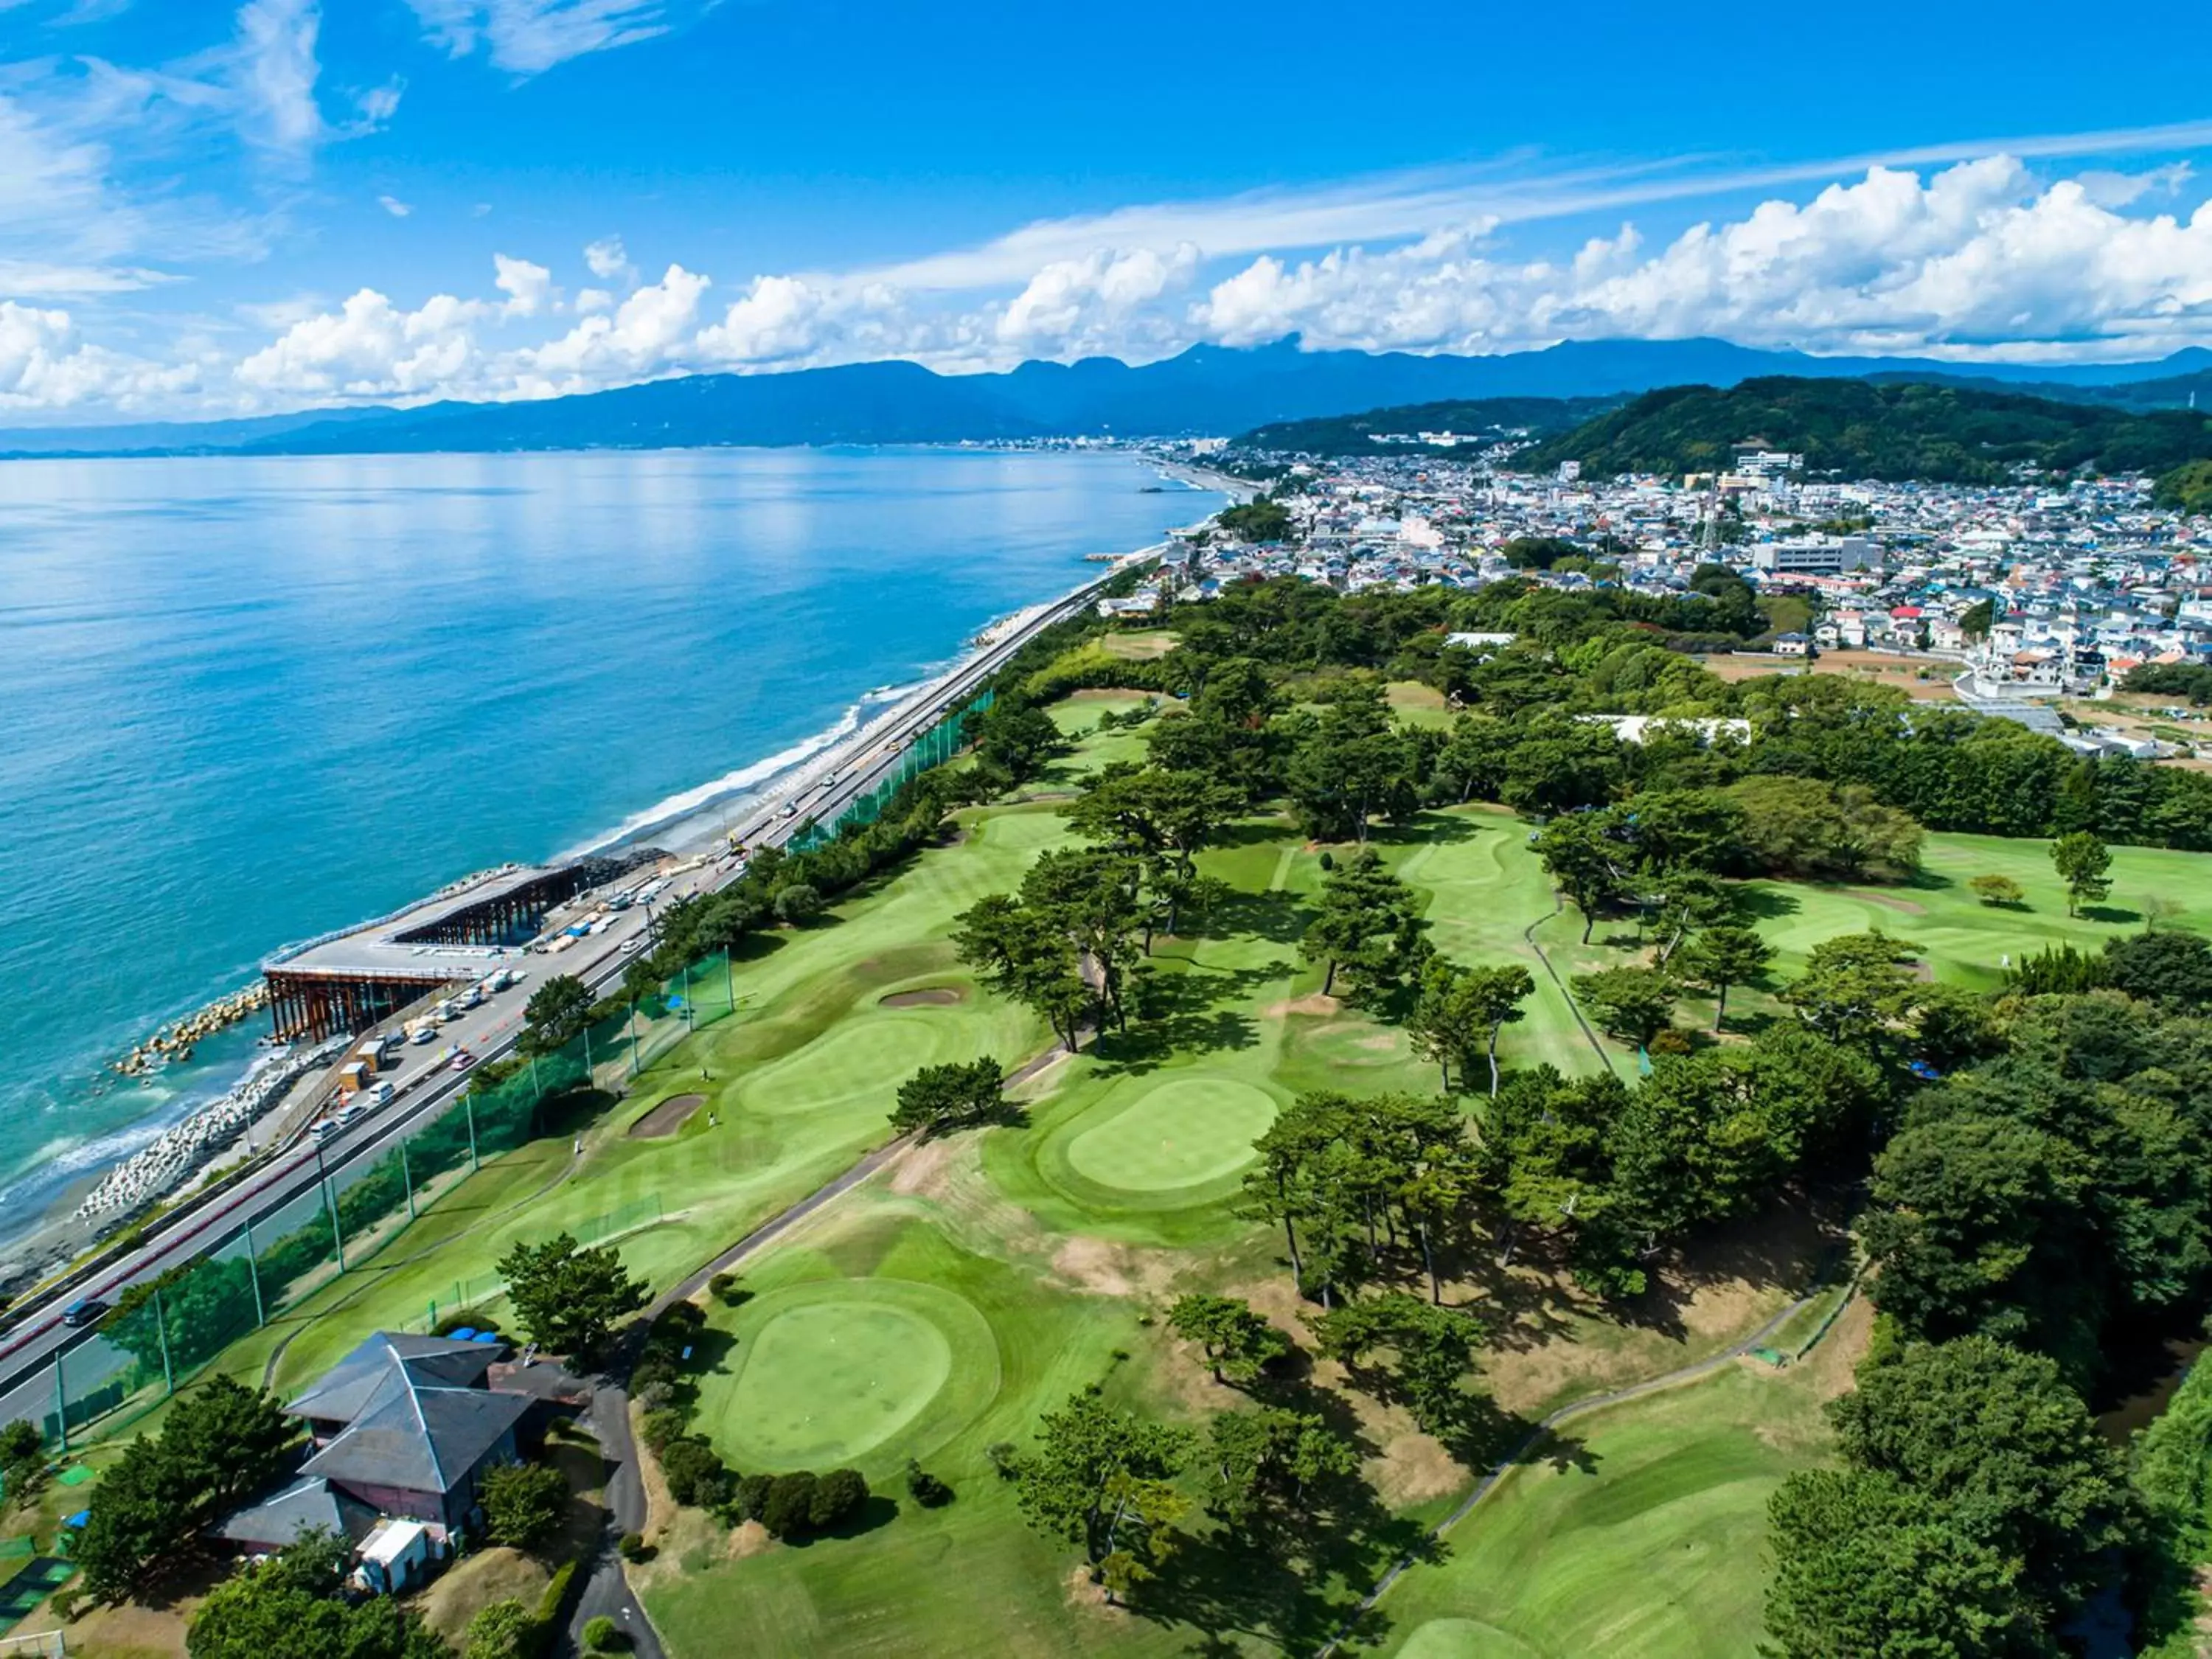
{"x":402,"y":1427}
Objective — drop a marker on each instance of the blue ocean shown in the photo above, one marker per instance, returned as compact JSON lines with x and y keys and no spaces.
{"x":245,"y":700}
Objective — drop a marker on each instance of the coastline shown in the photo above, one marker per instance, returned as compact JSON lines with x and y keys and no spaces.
{"x":46,"y":1196}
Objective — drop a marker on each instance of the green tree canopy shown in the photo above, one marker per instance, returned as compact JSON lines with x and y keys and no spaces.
{"x":567,"y":1298}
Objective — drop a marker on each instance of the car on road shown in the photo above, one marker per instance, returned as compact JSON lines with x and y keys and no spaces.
{"x":632,"y":943}
{"x":462,"y":1059}
{"x":325,"y":1129}
{"x":85,"y":1310}
{"x":352,"y":1115}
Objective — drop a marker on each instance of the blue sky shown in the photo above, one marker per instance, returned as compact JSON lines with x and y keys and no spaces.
{"x":214,"y":210}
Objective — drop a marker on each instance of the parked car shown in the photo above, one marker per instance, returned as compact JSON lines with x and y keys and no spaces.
{"x":85,"y":1310}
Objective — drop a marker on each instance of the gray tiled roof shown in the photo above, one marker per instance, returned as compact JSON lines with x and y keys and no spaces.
{"x":312,"y":1502}
{"x":414,"y":1419}
{"x":348,"y":1387}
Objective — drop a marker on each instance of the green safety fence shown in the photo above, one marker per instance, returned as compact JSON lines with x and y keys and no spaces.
{"x":476,"y":1293}
{"x":932,"y":749}
{"x":357,"y":1206}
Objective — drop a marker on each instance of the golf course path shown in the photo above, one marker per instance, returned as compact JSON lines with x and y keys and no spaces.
{"x":606,"y":1593}
{"x":769,"y":1230}
{"x":1536,"y":1437}
{"x":1573,"y":1008}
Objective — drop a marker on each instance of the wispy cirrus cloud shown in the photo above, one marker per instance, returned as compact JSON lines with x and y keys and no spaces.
{"x":528,"y":37}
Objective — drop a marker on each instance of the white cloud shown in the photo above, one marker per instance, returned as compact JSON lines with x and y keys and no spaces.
{"x":394,"y":206}
{"x":1095,"y":302}
{"x":1976,"y":259}
{"x":368,"y":349}
{"x":276,"y":72}
{"x":650,"y":331}
{"x":36,"y":279}
{"x":527,"y":37}
{"x":606,"y":260}
{"x":529,"y":288}
{"x":590,"y":299}
{"x":44,"y":365}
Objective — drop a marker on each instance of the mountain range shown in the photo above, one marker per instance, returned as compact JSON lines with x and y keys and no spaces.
{"x":1205,"y":390}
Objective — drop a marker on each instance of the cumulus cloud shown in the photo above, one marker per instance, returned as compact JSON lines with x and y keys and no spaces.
{"x":529,"y":288}
{"x":369,"y":347}
{"x":650,"y":331}
{"x":606,"y":260}
{"x":44,"y":365}
{"x":1979,"y":258}
{"x":1093,"y":302}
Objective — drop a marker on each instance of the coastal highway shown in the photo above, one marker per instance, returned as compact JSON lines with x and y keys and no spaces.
{"x":822,"y":790}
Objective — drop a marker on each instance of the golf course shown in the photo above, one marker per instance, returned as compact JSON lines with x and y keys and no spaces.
{"x":932,"y":1313}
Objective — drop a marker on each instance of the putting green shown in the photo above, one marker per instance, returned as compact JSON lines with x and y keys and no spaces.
{"x":1183,"y":1133}
{"x":826,"y":1373}
{"x":827,"y":1382}
{"x":1464,"y":1639}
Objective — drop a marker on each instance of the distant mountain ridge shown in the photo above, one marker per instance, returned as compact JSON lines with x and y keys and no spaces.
{"x":1887,"y":429}
{"x":1207,"y":390}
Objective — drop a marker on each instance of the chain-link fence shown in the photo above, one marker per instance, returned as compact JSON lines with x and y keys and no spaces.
{"x":279,"y":1255}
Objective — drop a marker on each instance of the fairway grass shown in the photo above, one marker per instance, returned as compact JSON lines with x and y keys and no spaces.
{"x":1639,"y":1530}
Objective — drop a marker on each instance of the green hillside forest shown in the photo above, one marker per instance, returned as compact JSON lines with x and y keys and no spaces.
{"x":1892,"y":431}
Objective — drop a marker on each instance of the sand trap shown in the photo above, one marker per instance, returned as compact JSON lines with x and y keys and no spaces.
{"x":666,"y":1118}
{"x":935,"y":996}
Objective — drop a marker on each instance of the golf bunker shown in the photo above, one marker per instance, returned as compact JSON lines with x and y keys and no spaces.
{"x":1186,"y":1132}
{"x":934,"y":996}
{"x":666,"y":1118}
{"x":827,"y":1373}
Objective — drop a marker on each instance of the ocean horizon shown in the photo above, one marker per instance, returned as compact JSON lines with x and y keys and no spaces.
{"x":250,"y":700}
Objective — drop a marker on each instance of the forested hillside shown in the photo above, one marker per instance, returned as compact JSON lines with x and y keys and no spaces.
{"x":1355,"y":435}
{"x":1891,"y":431}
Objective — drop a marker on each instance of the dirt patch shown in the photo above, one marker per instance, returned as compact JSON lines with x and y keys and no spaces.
{"x":926,"y":1171}
{"x":1832,"y":1364}
{"x":935,"y":996}
{"x":1315,"y":1004}
{"x":1100,"y":1267}
{"x":1889,"y":902}
{"x":748,"y":1538}
{"x":464,"y":1587}
{"x":666,"y":1118}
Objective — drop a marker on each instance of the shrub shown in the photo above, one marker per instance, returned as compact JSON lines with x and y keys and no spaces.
{"x":658,"y":1429}
{"x":524,"y":1504}
{"x":632,"y":1546}
{"x":787,"y":1511}
{"x":799,"y":902}
{"x":839,"y":1495}
{"x":725,"y":1288}
{"x":925,"y":1488}
{"x":694,"y":1474}
{"x":749,"y":1500}
{"x":503,"y":1630}
{"x":603,"y":1635}
{"x":1006,"y":1458}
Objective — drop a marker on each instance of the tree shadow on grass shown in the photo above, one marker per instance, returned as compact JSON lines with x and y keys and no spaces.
{"x":1195,"y":1012}
{"x":1767,"y":903}
{"x":2109,"y":914}
{"x":879,"y":1510}
{"x":1278,"y":918}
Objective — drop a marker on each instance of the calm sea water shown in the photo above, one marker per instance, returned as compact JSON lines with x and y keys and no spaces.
{"x":245,"y":700}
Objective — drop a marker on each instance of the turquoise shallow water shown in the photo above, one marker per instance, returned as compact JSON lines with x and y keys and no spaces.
{"x":245,"y":700}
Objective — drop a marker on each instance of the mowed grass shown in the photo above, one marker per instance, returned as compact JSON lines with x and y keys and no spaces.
{"x":967,"y":1578}
{"x":1640,"y":1530}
